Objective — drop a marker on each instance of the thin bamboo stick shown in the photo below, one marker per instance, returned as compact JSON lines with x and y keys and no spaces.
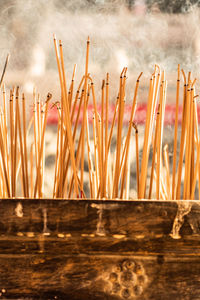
{"x":76,"y":99}
{"x":127,"y":185}
{"x":77,"y":161}
{"x":84,"y":115}
{"x":106,"y":139}
{"x":166,"y":160}
{"x":181,"y":152}
{"x":192,"y":142}
{"x":71,"y":89}
{"x":195,"y":173}
{"x":68,"y":123}
{"x":4,"y":164}
{"x":97,"y":132}
{"x":160,"y":133}
{"x":175,"y":133}
{"x":90,"y":164}
{"x":57,"y":161}
{"x":154,"y":152}
{"x":15,"y":141}
{"x":145,"y":155}
{"x":73,"y":137}
{"x":137,"y":156}
{"x":21,"y":151}
{"x":119,"y":135}
{"x":187,"y":145}
{"x":11,"y":142}
{"x":127,"y":143}
{"x":31,"y":171}
{"x":6,"y":129}
{"x":95,"y":156}
{"x":49,"y":96}
{"x":4,"y":69}
{"x":102,"y":189}
{"x":25,"y":144}
{"x":3,"y":183}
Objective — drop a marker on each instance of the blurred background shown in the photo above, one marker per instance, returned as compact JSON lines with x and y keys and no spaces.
{"x":136,"y":34}
{"x":132,"y":33}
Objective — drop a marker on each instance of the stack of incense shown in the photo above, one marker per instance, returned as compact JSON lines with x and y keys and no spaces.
{"x":108,"y":171}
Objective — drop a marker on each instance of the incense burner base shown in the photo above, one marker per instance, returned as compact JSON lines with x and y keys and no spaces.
{"x":89,"y":249}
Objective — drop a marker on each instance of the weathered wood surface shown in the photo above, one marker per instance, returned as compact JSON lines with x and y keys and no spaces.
{"x":88,"y":249}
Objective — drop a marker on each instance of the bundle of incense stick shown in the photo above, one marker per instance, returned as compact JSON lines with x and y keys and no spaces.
{"x":22,"y":166}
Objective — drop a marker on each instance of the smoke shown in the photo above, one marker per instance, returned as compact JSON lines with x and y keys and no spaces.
{"x":137,"y":38}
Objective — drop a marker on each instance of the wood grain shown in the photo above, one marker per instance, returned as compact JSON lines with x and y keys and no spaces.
{"x":90,"y":249}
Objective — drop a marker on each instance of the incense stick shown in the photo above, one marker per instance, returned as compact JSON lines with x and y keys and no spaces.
{"x":42,"y":143}
{"x":175,"y":133}
{"x":108,"y":167}
{"x":84,"y":113}
{"x":181,"y":153}
{"x":137,"y":156}
{"x":25,"y":144}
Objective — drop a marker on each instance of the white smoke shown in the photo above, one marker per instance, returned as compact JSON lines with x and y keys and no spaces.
{"x":137,"y":38}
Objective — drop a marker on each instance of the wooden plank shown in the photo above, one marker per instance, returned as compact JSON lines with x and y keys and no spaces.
{"x":90,"y":249}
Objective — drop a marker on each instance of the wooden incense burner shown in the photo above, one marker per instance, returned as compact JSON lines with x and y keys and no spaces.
{"x":93,"y":249}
